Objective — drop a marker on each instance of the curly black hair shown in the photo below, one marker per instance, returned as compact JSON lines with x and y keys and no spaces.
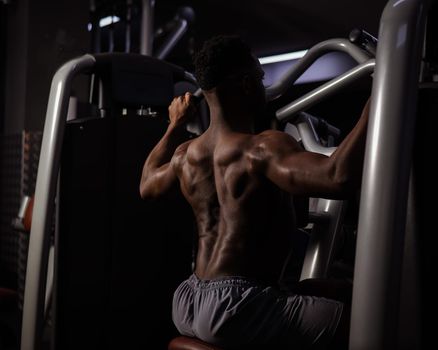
{"x":220,"y":57}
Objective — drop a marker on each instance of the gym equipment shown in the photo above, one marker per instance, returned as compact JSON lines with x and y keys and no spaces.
{"x":147,"y":27}
{"x":98,"y":204}
{"x":366,"y":65}
{"x":184,"y":16}
{"x":187,"y":343}
{"x":128,"y":26}
{"x":364,"y":39}
{"x":129,"y":13}
{"x":329,"y":213}
{"x":388,"y":208}
{"x":326,"y":216}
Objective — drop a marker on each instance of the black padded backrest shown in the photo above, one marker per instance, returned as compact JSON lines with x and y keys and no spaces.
{"x":132,"y":80}
{"x":119,"y":258}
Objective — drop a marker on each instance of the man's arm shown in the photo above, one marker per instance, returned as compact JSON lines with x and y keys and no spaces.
{"x":158,"y":174}
{"x":299,"y":172}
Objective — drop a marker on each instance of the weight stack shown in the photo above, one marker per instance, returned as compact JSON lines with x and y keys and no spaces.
{"x":19,"y":166}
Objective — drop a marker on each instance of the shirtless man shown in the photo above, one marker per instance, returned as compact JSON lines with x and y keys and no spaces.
{"x":239,"y":184}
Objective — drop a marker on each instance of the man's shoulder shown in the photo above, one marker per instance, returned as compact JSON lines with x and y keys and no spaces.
{"x":274,"y":139}
{"x":271,"y":133}
{"x":181,"y":152}
{"x":270,"y":144}
{"x":182,"y":148}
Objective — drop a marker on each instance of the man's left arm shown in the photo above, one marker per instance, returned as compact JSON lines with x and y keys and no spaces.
{"x":158,"y":174}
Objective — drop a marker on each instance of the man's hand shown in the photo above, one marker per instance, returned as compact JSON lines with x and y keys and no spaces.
{"x":182,"y":109}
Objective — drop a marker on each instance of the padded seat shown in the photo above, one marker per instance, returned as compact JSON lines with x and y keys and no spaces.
{"x":187,"y":343}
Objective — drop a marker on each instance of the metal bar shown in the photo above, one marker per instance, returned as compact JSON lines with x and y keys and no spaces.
{"x":325,"y":234}
{"x":323,"y":239}
{"x":95,"y":28}
{"x":48,"y":168}
{"x":287,"y":112}
{"x":49,"y":282}
{"x":172,"y":39}
{"x":147,"y":27}
{"x":387,"y":163}
{"x":309,"y":58}
{"x":111,"y":36}
{"x":309,"y":136}
{"x":128,"y":19}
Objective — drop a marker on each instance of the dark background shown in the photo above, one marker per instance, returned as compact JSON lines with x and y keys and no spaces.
{"x":37,"y":36}
{"x":277,"y":26}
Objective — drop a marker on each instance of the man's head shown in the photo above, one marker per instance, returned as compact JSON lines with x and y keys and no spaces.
{"x":225,"y":60}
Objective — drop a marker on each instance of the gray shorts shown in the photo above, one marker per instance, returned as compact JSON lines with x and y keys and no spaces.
{"x":235,"y":311}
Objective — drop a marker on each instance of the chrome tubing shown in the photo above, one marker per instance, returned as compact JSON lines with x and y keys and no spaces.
{"x":388,"y":156}
{"x":309,"y":58}
{"x":317,"y":95}
{"x":48,"y":169}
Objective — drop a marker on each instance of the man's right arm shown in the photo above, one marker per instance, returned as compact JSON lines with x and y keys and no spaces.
{"x":158,"y":174}
{"x":299,"y":172}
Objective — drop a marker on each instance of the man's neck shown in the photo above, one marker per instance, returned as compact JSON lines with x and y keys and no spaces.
{"x":228,"y":118}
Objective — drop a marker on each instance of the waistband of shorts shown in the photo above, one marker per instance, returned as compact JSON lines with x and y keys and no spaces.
{"x":226,"y":281}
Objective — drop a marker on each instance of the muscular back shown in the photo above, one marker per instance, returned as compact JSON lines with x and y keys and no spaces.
{"x":238,"y":184}
{"x":244,"y":221}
